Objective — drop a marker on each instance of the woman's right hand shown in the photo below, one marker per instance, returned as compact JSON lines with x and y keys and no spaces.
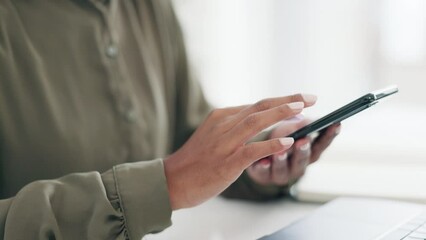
{"x":218,"y":152}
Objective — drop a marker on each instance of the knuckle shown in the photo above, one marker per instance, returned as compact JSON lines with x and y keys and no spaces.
{"x":297,"y":97}
{"x":217,"y":113}
{"x":251,"y":121}
{"x":283,"y":110}
{"x":262,"y":105}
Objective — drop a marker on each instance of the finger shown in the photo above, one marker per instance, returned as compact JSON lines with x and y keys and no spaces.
{"x":289,"y":126}
{"x":280,"y":169}
{"x":300,"y":158}
{"x":217,"y":115}
{"x":323,"y":141}
{"x":254,"y":123}
{"x":260,"y":172}
{"x":266,"y":104}
{"x":223,"y":112}
{"x":249,"y":153}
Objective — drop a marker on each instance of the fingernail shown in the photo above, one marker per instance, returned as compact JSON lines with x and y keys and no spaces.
{"x":305,"y":147}
{"x":337,"y":131}
{"x":282,"y":157}
{"x":265,"y":165}
{"x":296,"y":105}
{"x":286,"y":142}
{"x":309,"y":98}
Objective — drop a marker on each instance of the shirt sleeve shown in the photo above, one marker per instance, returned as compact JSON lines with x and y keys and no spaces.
{"x":126,"y":202}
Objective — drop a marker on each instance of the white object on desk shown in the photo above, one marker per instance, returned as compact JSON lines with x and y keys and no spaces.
{"x":328,"y":180}
{"x":359,"y":219}
{"x":222,"y":219}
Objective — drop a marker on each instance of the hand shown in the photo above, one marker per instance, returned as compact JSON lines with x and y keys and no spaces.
{"x":282,"y":168}
{"x":217,"y":153}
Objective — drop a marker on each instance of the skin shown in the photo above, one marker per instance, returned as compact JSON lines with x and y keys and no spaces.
{"x":284,"y":167}
{"x":218,"y":152}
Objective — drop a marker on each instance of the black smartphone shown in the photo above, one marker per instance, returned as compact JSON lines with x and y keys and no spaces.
{"x":344,"y":112}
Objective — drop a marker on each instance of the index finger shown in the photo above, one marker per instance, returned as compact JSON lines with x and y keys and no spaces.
{"x":256,"y":122}
{"x":265,"y":104}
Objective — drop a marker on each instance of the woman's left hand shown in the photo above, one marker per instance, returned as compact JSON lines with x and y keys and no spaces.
{"x":285,"y":167}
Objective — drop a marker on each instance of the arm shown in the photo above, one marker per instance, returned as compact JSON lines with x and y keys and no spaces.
{"x":132,"y":199}
{"x":126,"y":202}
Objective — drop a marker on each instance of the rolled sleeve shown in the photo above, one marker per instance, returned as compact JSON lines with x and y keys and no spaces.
{"x":140,"y":191}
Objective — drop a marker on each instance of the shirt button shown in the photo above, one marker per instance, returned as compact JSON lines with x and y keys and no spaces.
{"x":112,"y":51}
{"x":131,"y":116}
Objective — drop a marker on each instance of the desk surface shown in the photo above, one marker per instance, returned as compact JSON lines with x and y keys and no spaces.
{"x":222,"y":219}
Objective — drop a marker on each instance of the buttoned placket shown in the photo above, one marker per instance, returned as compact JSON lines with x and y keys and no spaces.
{"x":118,"y":86}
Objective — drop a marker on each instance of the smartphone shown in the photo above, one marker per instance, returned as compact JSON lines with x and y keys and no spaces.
{"x":344,"y":112}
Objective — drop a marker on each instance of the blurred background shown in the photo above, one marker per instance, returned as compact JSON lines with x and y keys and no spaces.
{"x":245,"y":50}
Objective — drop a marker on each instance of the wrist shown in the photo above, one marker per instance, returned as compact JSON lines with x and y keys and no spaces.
{"x":175,"y":182}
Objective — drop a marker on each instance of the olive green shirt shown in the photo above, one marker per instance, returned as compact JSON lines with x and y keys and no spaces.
{"x":93,"y":94}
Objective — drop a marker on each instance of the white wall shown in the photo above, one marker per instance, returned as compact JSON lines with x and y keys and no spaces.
{"x":243,"y":50}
